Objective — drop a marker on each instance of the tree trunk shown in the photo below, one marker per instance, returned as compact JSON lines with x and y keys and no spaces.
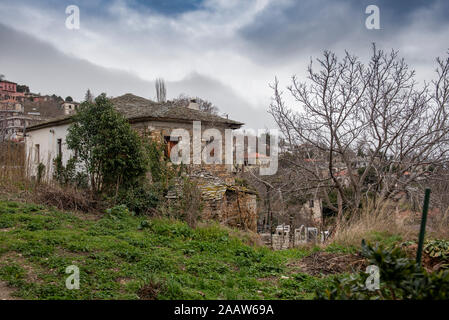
{"x":340,"y":211}
{"x":291,"y":239}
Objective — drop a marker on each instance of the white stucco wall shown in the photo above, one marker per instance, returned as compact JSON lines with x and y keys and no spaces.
{"x":47,"y":139}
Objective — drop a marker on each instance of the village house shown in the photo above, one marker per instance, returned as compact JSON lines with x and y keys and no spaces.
{"x":224,"y":200}
{"x":8,"y":92}
{"x":19,"y":109}
{"x":69,"y":107}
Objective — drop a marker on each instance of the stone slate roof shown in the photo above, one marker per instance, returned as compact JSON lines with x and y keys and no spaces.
{"x":137,"y":109}
{"x":134,"y":107}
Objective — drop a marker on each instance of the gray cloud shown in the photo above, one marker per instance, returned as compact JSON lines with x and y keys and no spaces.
{"x":225,"y":98}
{"x":287,"y":34}
{"x":225,"y":51}
{"x":46,"y":70}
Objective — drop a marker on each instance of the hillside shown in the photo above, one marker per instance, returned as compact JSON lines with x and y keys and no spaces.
{"x":125,"y":257}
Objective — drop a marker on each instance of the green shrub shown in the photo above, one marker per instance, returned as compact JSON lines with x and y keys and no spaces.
{"x":68,"y":175}
{"x":188,"y":205}
{"x":40,"y":172}
{"x":119,"y":212}
{"x":140,"y":198}
{"x":112,"y":153}
{"x":437,"y":249}
{"x":144,"y":225}
{"x":400,"y":278}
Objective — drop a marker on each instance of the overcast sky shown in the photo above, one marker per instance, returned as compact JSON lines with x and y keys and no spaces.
{"x":226,"y":51}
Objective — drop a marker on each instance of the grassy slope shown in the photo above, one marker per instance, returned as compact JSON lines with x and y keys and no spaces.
{"x":118,"y":256}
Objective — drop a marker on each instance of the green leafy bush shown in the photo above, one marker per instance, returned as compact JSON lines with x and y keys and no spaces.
{"x":119,"y":212}
{"x":140,"y":198}
{"x":400,"y":278}
{"x":437,"y":249}
{"x":112,"y":153}
{"x":68,"y":175}
{"x":40,"y":172}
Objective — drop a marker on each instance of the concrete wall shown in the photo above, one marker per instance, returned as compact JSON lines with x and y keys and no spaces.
{"x":47,"y":139}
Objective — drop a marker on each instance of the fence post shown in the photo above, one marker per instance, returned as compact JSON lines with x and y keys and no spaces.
{"x":422,"y":231}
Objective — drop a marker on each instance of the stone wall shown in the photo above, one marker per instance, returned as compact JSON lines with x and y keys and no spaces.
{"x":232,"y":205}
{"x":224,"y":201}
{"x":302,"y":235}
{"x":158,"y":130}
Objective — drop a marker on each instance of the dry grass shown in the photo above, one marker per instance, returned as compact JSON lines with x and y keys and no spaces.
{"x":12,"y":165}
{"x":439,"y":224}
{"x":151,"y":291}
{"x":389,"y":220}
{"x":65,"y":198}
{"x":369,"y":221}
{"x":15,"y":185}
{"x":326,"y":263}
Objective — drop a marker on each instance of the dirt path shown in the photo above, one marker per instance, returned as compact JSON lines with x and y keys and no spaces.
{"x":6,"y":292}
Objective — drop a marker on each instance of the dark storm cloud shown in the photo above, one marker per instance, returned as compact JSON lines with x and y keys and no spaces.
{"x":284,"y":29}
{"x":171,"y":7}
{"x":97,"y":7}
{"x":35,"y":63}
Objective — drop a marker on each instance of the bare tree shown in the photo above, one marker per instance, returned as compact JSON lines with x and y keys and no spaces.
{"x":3,"y":117}
{"x":361,"y":120}
{"x":161,"y":91}
{"x":2,"y":77}
{"x":89,"y":97}
{"x":204,"y":105}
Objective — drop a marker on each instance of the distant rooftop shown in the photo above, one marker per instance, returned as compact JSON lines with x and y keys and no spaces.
{"x":7,"y":81}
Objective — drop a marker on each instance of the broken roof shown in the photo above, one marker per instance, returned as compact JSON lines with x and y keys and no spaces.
{"x":212,"y":188}
{"x":137,"y":109}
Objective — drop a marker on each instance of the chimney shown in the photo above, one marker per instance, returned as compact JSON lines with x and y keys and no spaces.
{"x":193,"y":105}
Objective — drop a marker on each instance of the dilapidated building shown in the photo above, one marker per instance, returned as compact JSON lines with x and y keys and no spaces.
{"x":13,"y":121}
{"x":229,"y":203}
{"x":223,"y":199}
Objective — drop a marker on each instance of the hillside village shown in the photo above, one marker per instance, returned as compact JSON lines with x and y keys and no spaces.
{"x":126,"y":166}
{"x":229,"y":150}
{"x":20,"y":108}
{"x":45,"y":121}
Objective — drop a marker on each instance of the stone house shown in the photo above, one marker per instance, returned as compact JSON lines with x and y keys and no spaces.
{"x":14,"y":120}
{"x":69,"y":107}
{"x":224,"y":200}
{"x":313,"y":210}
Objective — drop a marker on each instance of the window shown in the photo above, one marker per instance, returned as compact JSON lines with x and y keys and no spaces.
{"x":37,"y":153}
{"x":169,"y":145}
{"x":59,"y":144}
